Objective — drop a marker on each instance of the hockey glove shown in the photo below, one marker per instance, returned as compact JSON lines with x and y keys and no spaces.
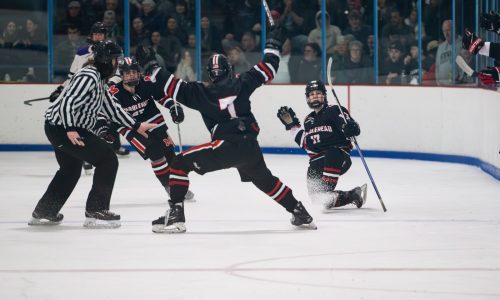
{"x":55,"y":94}
{"x":490,"y":76}
{"x":351,"y":128}
{"x":276,"y":38}
{"x":176,"y":113}
{"x":288,"y":118}
{"x":471,"y":42}
{"x":490,"y":21}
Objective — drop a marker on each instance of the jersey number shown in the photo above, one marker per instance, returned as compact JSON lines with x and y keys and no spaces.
{"x":315,"y":138}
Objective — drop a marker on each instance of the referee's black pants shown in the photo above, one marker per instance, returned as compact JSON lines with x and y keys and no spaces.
{"x":70,"y":159}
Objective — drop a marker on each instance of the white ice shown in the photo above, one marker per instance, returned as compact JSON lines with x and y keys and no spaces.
{"x":439,"y":239}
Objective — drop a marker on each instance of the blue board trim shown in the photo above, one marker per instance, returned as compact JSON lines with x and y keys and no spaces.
{"x":459,"y":159}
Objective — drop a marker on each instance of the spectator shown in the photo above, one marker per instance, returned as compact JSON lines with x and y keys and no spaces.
{"x":283,"y":74}
{"x":308,"y":67}
{"x":169,"y":48}
{"x":292,"y":20}
{"x":396,"y":26}
{"x":412,"y":22}
{"x":10,"y":36}
{"x":173,"y":29}
{"x":237,"y":58}
{"x":358,"y":69}
{"x":114,"y":31}
{"x":332,"y":33}
{"x":444,"y":57}
{"x":185,"y":68}
{"x":210,"y":37}
{"x":138,"y":35}
{"x":370,"y":44}
{"x":250,"y":47}
{"x":65,"y":50}
{"x":241,"y":16}
{"x":74,"y":17}
{"x":114,"y":5}
{"x":429,"y":64}
{"x":150,"y":16}
{"x":34,"y":38}
{"x":356,"y":27}
{"x":184,"y":21}
{"x":340,"y":53}
{"x":393,"y":67}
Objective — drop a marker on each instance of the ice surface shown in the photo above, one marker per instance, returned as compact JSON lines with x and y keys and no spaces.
{"x":440,"y":238}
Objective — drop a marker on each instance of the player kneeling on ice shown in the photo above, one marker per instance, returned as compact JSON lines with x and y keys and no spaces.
{"x":224,"y":104}
{"x":326,"y":139}
{"x":137,"y":95}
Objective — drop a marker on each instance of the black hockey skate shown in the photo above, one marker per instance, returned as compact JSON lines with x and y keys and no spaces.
{"x":189,"y":197}
{"x":358,"y":195}
{"x":122,"y":151}
{"x":173,"y":221}
{"x":300,"y":217}
{"x":101,"y":219}
{"x":45,"y":219}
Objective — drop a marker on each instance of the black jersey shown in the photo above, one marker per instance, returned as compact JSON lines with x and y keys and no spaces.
{"x":225,"y":105}
{"x":141,"y":105}
{"x":322,"y":131}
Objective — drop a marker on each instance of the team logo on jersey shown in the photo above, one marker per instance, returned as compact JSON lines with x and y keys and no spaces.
{"x":113,"y":90}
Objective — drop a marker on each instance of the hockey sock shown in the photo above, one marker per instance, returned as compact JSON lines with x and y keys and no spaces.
{"x":178,"y":181}
{"x":330,"y":178}
{"x":160,"y":168}
{"x":283,"y":195}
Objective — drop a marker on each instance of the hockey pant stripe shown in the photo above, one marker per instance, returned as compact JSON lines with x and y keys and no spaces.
{"x":214,"y":145}
{"x":138,"y":145}
{"x":326,"y":174}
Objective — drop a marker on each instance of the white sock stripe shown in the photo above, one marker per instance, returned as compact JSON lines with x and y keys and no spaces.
{"x":331,"y":175}
{"x":180,"y":177}
{"x":261,"y":72}
{"x":278,"y":192}
{"x":271,"y":68}
{"x":160,"y":167}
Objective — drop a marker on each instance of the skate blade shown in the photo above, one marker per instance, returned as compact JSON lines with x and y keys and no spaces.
{"x":42,"y":222}
{"x":92,"y":223}
{"x":364,"y":189}
{"x":170,"y":229}
{"x":310,"y":226}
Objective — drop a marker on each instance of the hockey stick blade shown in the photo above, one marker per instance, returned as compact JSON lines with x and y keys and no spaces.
{"x":28,"y":102}
{"x":465,"y":67}
{"x":268,"y":13}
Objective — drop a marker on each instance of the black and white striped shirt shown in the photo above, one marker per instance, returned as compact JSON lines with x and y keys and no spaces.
{"x":82,"y":100}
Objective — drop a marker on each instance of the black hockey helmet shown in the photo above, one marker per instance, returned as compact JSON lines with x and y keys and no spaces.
{"x":104,"y":52}
{"x":315,"y":85}
{"x":129,"y":64}
{"x":97,"y":27}
{"x":219,"y":67}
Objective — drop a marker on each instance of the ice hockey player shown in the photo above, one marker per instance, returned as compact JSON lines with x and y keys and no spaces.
{"x":476,"y":45}
{"x":326,"y":139}
{"x":137,"y":95}
{"x":226,"y":111}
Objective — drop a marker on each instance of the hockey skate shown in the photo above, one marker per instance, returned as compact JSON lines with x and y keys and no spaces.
{"x":189,"y":197}
{"x":101,"y":219}
{"x":358,"y":195}
{"x":87,"y":168}
{"x":122,"y":151}
{"x":45,"y":219}
{"x":301,"y":218}
{"x":173,"y":221}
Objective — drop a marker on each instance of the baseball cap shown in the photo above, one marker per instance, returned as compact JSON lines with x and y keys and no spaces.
{"x":74,"y":4}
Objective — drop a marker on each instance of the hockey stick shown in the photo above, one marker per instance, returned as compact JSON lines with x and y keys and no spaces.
{"x":268,"y":13}
{"x":464,"y":66}
{"x":353,"y":139}
{"x":28,"y":102}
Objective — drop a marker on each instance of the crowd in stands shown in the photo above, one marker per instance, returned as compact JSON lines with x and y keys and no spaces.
{"x":234,"y":29}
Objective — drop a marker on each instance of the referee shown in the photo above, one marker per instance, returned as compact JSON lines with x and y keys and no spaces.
{"x":68,"y":124}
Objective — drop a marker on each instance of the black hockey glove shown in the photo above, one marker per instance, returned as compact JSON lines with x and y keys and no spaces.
{"x":490,"y":76}
{"x":276,"y":38}
{"x":471,"y":42}
{"x":55,"y":94}
{"x":176,"y":113}
{"x":350,"y":129}
{"x":490,"y":21}
{"x":287,"y":117}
